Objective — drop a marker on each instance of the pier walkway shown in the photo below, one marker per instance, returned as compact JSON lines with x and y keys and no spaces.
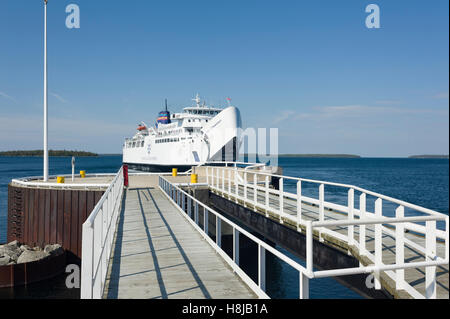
{"x":157,"y":254}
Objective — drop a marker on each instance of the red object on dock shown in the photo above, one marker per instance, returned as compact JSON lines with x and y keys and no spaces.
{"x":125,"y":175}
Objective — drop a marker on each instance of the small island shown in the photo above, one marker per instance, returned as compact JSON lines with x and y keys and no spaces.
{"x":40,"y":153}
{"x":429,"y":156}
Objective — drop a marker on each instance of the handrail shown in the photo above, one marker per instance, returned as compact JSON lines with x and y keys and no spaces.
{"x":349,"y":186}
{"x":185,"y":201}
{"x":28,"y":181}
{"x":97,"y":239}
{"x":228,"y":182}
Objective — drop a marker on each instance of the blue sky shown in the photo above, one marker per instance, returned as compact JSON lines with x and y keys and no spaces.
{"x":310,"y":68}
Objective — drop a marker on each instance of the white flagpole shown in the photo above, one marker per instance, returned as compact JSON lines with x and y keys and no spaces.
{"x":45,"y":97}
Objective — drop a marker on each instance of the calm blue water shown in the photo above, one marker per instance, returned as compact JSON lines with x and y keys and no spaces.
{"x":424,"y":182}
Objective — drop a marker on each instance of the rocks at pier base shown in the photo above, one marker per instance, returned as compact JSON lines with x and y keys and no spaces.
{"x":54,"y":250}
{"x":31,"y":255}
{"x":4,"y":260}
{"x":14,"y":253}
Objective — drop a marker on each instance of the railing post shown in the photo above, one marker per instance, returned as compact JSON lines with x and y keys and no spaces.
{"x":212,"y":176}
{"x":281,"y":197}
{"x":303,"y":285}
{"x":362,"y":228}
{"x":266,"y":185}
{"x":223,"y":180}
{"x":196,"y":212}
{"x":350,"y":206}
{"x":378,"y":243}
{"x":207,"y":175}
{"x":400,"y":248}
{"x":217,"y":178}
{"x":430,"y":249}
{"x":189,"y":207}
{"x":218,"y":231}
{"x":321,"y":207}
{"x":255,"y":190}
{"x":87,"y":261}
{"x":262,"y":268}
{"x":183,"y":202}
{"x":245,"y":187}
{"x":236,"y":183}
{"x":309,"y":246}
{"x":321,"y":202}
{"x":299,"y":205}
{"x":447,"y":238}
{"x":205,"y":220}
{"x":229,"y":183}
{"x":236,"y":246}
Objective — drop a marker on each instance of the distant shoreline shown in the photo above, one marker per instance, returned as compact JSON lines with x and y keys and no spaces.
{"x":312,"y":155}
{"x":429,"y":156}
{"x":65,"y":153}
{"x":321,"y":155}
{"x":51,"y":153}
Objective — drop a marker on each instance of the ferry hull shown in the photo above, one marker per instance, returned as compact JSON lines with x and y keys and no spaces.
{"x":157,"y":168}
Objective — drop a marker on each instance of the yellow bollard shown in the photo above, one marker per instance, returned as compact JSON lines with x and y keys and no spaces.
{"x":83,"y":174}
{"x":174,"y":172}
{"x":194,"y":178}
{"x":60,"y":180}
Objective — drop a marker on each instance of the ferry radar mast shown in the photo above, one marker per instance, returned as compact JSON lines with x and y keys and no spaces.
{"x":197,"y":100}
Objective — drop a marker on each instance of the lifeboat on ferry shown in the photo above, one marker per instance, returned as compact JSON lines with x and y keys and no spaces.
{"x":141,"y":128}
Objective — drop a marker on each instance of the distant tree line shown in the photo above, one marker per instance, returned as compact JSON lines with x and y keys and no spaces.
{"x":40,"y":153}
{"x":313,"y":155}
{"x":429,"y":156}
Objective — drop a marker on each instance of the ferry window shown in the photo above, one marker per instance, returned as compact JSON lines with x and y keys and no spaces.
{"x":142,"y":144}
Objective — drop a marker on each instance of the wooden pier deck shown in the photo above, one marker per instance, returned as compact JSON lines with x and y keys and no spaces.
{"x":158,"y":254}
{"x":414,"y":276}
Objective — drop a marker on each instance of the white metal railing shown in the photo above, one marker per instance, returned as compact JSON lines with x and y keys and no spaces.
{"x":190,"y":207}
{"x":234,"y":182}
{"x":97,"y":239}
{"x":36,"y":181}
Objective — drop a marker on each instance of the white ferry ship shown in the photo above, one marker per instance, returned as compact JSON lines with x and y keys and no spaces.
{"x":197,"y":135}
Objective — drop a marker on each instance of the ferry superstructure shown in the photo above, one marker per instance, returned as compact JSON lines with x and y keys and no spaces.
{"x":197,"y":135}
